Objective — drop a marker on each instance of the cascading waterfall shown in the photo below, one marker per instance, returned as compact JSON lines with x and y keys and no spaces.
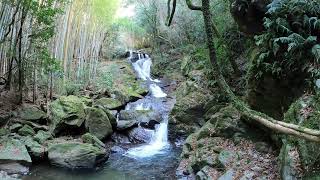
{"x":159,"y":140}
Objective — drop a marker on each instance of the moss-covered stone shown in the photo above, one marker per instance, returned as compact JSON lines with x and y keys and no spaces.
{"x":91,"y":139}
{"x":66,"y":111}
{"x":42,"y":136}
{"x":13,"y":150}
{"x":97,"y":123}
{"x":32,"y":113}
{"x":76,"y":155}
{"x":37,"y":151}
{"x":306,"y":112}
{"x":108,"y":103}
{"x":188,"y":112}
{"x":26,"y":130}
{"x":4,"y":132}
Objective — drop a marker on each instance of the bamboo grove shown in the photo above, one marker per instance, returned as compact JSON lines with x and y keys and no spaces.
{"x":45,"y":44}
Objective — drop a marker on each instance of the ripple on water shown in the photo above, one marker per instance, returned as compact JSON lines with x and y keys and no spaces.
{"x":118,"y":167}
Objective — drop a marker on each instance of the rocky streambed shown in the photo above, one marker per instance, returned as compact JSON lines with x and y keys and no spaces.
{"x":114,"y":133}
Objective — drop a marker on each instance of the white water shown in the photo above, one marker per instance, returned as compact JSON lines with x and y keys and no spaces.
{"x":159,"y":140}
{"x":156,"y":91}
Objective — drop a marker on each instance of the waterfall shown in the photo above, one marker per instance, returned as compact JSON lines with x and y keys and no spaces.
{"x":159,"y":140}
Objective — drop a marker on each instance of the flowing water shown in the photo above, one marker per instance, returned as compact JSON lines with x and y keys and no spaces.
{"x":154,"y":160}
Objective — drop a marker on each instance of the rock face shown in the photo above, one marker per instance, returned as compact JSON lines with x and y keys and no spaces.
{"x":76,"y":155}
{"x":66,"y":111}
{"x":97,"y":123}
{"x":187,"y":114}
{"x":305,"y":112}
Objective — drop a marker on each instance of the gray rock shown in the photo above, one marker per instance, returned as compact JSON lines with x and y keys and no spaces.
{"x":14,"y":168}
{"x":125,"y":124}
{"x":74,"y":155}
{"x":225,"y":157}
{"x":13,"y":150}
{"x":120,"y":138}
{"x":227,"y":175}
{"x":32,"y":113}
{"x":141,"y":116}
{"x":5,"y":176}
{"x":26,"y":130}
{"x":37,"y":151}
{"x":117,"y":149}
{"x":140,"y":135}
{"x":42,"y":136}
{"x":97,"y":123}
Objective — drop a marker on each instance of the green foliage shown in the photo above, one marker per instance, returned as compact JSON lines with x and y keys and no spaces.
{"x":291,"y":40}
{"x":106,"y":77}
{"x":71,"y":88}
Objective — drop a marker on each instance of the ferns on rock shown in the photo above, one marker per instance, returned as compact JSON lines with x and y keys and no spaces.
{"x":291,"y":41}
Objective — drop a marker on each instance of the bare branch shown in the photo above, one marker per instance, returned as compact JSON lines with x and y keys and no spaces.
{"x":192,"y":6}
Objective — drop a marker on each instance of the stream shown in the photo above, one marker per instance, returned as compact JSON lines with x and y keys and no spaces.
{"x":156,"y":159}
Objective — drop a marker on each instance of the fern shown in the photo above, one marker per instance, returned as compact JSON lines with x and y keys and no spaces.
{"x":316,"y":52}
{"x":291,"y":40}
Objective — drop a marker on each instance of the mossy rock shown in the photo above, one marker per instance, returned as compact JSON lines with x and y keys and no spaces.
{"x":26,"y":130}
{"x":66,"y":111}
{"x":188,"y":112}
{"x":91,"y":139}
{"x":14,"y":150}
{"x":108,"y":103}
{"x":4,"y":132}
{"x":37,"y":151}
{"x":75,"y":155}
{"x":306,"y":112}
{"x":42,"y":136}
{"x":98,"y":123}
{"x":32,"y":113}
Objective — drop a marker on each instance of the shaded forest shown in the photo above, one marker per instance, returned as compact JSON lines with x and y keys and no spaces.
{"x":222,"y":89}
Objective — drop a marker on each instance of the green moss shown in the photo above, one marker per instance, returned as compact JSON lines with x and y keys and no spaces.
{"x":305,"y":112}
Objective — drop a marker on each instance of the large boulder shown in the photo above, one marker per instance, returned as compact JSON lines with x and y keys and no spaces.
{"x":66,"y":111}
{"x":37,"y":151}
{"x":98,"y":123}
{"x":32,"y":113}
{"x":75,"y":155}
{"x":305,"y":112}
{"x":14,"y":157}
{"x":13,"y":150}
{"x":187,"y":114}
{"x":140,"y":135}
{"x":108,"y":103}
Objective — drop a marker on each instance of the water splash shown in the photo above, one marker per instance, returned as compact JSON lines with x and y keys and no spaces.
{"x":156,"y":91}
{"x":159,"y":141}
{"x":158,"y":144}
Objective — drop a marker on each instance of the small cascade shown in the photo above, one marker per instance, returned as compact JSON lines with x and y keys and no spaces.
{"x":159,"y":140}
